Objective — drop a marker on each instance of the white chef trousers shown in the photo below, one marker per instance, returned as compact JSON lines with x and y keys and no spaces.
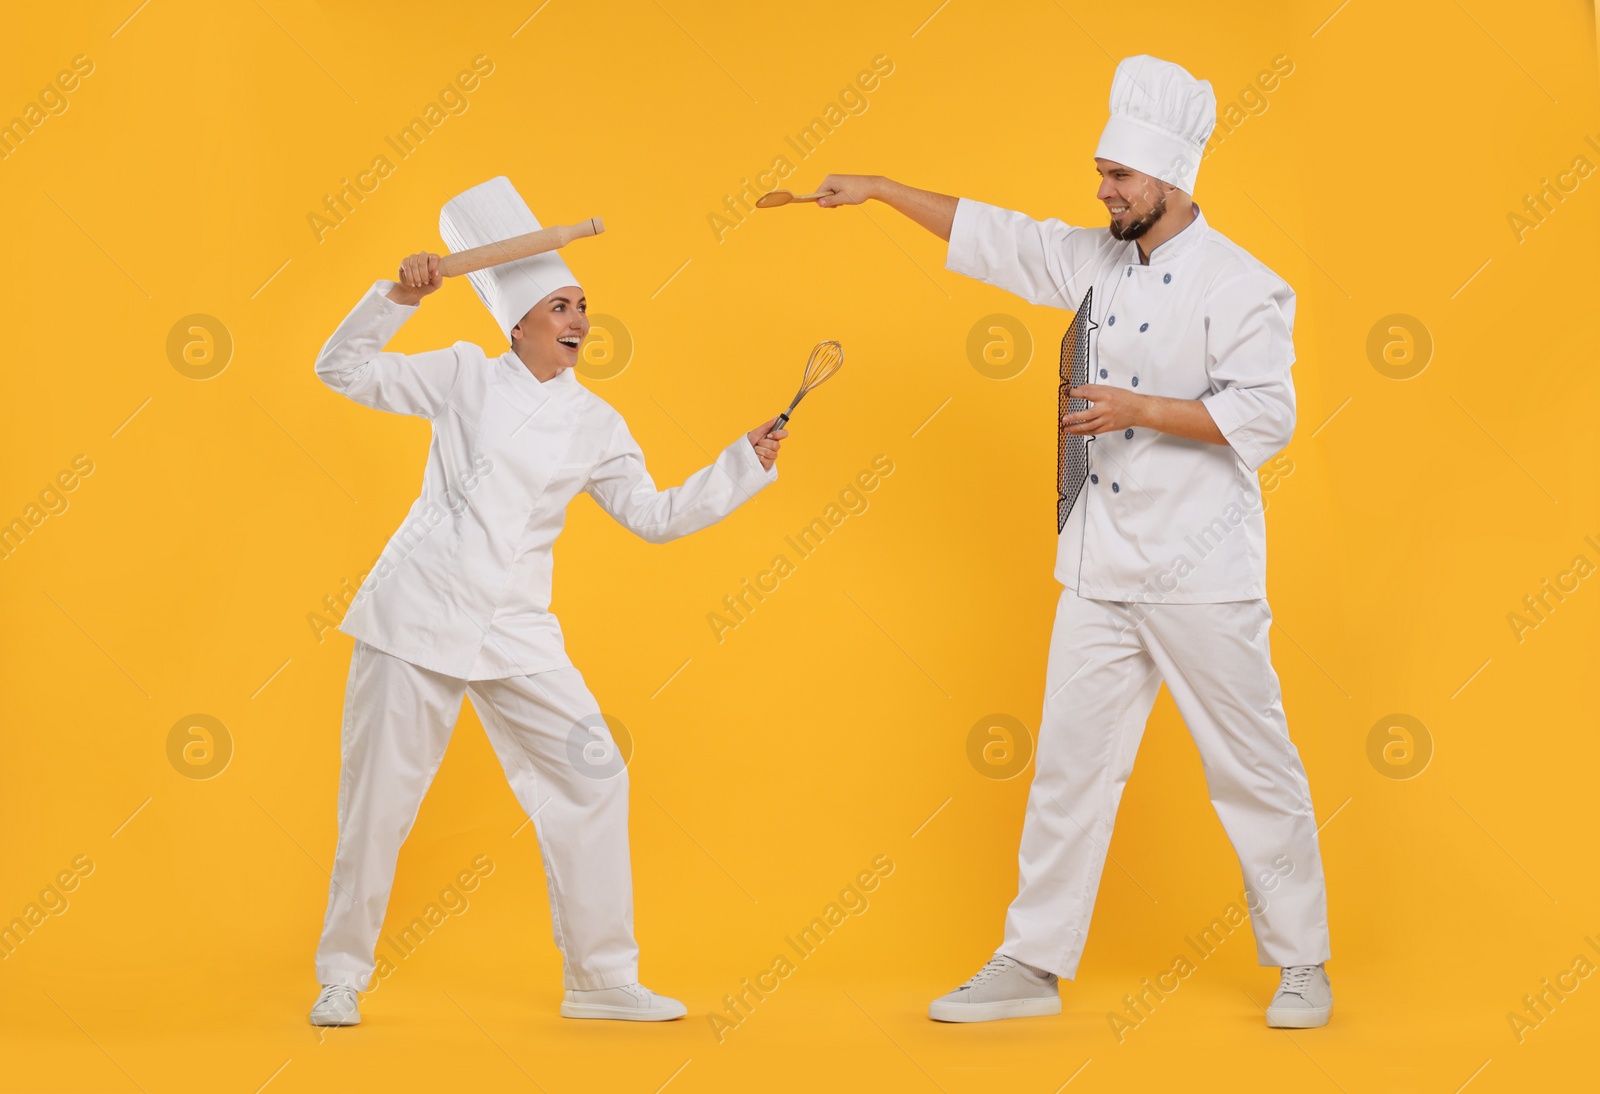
{"x":1107,"y":662}
{"x":397,"y":721}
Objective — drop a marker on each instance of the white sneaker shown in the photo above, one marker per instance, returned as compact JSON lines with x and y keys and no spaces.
{"x":1004,"y":988}
{"x":627,"y":1003}
{"x":336,"y":1006}
{"x":1304,"y":999}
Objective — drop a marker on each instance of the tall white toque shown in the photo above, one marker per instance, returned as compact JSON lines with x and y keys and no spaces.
{"x":488,"y":213}
{"x":1161,"y":118}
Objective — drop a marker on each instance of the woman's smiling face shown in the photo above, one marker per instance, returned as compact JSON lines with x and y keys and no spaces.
{"x":550,"y":337}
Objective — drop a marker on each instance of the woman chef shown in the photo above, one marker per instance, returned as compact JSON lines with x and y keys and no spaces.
{"x":460,"y":602}
{"x":1163,"y":555}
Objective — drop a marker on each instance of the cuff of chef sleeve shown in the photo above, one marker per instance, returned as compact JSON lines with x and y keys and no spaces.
{"x":962,"y":256}
{"x":1243,"y":425}
{"x":381,"y":290}
{"x":374,"y":318}
{"x":748,"y":464}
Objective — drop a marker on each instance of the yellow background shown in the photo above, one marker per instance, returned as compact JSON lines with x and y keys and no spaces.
{"x":832,"y":724}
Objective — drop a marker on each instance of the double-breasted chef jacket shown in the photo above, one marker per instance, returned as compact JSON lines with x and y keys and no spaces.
{"x":463,"y":586}
{"x":1161,"y":518}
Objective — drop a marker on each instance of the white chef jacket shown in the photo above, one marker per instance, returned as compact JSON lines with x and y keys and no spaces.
{"x":463,"y":587}
{"x":1161,"y":518}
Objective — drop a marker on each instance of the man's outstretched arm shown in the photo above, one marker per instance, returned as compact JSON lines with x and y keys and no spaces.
{"x":1113,"y":409}
{"x":1039,"y":260}
{"x":935,"y":212}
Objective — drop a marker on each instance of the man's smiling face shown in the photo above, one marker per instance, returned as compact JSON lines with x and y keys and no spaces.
{"x":1134,"y":199}
{"x":550,"y":337}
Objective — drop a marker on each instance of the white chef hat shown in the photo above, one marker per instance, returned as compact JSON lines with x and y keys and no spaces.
{"x":488,"y":213}
{"x":1160,"y":120}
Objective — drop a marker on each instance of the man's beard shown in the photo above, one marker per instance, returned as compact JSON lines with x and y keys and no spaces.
{"x":1140,"y":225}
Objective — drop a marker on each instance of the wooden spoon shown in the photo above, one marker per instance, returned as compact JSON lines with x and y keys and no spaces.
{"x":784,"y":197}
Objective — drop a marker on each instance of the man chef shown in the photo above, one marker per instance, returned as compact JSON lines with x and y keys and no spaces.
{"x":1163,"y":555}
{"x":459,"y":602}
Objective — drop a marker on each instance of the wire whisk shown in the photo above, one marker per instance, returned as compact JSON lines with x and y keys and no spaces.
{"x":825,"y":360}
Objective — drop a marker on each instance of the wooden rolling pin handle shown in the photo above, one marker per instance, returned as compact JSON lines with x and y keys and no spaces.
{"x":523,"y":246}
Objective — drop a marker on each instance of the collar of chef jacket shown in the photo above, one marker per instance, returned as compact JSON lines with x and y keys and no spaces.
{"x":562,"y":384}
{"x":1179,"y":245}
{"x":540,"y":400}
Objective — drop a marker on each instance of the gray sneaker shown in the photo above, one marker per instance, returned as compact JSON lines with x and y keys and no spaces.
{"x":336,"y":1006}
{"x":1004,"y":988}
{"x":626,"y":1002}
{"x":1304,"y":999}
